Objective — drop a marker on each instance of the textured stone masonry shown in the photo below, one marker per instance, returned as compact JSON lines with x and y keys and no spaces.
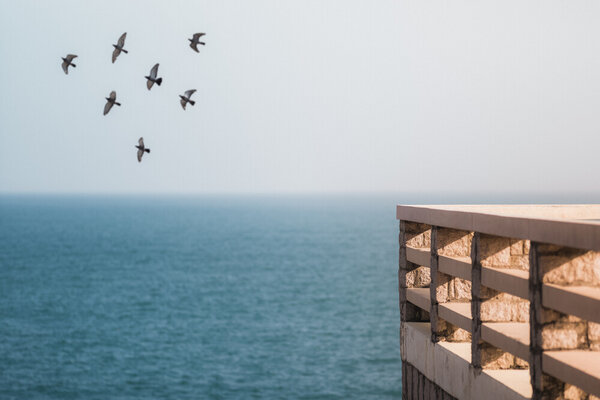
{"x":445,"y":288}
{"x":409,"y":274}
{"x":489,"y":305}
{"x":553,"y":330}
{"x":547,"y":266}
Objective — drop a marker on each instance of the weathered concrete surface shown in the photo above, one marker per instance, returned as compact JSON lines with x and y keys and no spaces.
{"x":448,"y":365}
{"x":416,"y":386}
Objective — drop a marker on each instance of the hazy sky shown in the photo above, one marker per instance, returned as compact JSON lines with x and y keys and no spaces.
{"x":295,"y":96}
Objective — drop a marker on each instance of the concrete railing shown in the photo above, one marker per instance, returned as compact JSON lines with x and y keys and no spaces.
{"x":500,"y":302}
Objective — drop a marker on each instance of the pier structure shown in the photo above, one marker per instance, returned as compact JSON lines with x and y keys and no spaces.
{"x":499,"y":302}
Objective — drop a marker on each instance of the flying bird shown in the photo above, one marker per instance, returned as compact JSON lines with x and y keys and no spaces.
{"x":119,"y":47}
{"x":110,"y":101}
{"x":195,"y":41}
{"x":152,"y":77}
{"x":68,"y":60}
{"x":187,"y":98}
{"x":141,"y":149}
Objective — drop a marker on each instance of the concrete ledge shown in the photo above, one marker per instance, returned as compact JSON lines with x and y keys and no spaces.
{"x":581,"y":301}
{"x":560,"y":225}
{"x":419,"y":297}
{"x":512,"y":337}
{"x":458,"y":314}
{"x":511,"y":281}
{"x":417,"y":256}
{"x":459,"y":267}
{"x":577,"y":367}
{"x":448,"y":365}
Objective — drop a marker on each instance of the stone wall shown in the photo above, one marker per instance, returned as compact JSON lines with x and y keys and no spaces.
{"x":534,"y":266}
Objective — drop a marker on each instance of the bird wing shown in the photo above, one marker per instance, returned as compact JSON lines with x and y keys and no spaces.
{"x":149,"y":84}
{"x":116,"y":53}
{"x":194,"y":46}
{"x":140,"y":154}
{"x":113,"y":95}
{"x":189,"y":93}
{"x":107,"y":107}
{"x":121,"y":41}
{"x":154,"y":71}
{"x":198,"y":36}
{"x":70,"y":57}
{"x":65,"y":67}
{"x":183,"y":103}
{"x":141,"y":142}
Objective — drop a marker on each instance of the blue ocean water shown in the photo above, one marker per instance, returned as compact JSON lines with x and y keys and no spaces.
{"x":198,"y":297}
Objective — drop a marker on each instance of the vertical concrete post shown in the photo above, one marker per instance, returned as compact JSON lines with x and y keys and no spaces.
{"x":476,"y":303}
{"x":535,"y":322}
{"x":437,"y":279}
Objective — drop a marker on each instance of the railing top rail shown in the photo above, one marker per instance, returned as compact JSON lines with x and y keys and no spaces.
{"x":574,"y":225}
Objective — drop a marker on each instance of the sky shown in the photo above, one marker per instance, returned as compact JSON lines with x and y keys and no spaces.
{"x":302,"y":96}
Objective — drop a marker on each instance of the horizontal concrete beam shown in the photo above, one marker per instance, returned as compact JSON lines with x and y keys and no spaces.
{"x":581,"y":301}
{"x":560,"y":225}
{"x":512,"y":337}
{"x":577,"y":367}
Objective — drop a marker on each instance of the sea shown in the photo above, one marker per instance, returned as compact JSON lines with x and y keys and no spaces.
{"x":199,"y":297}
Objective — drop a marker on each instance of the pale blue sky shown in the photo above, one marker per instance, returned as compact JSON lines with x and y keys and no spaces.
{"x":303,"y":96}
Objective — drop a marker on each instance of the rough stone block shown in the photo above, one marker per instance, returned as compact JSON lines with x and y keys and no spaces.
{"x":417,"y":235}
{"x":448,"y":332}
{"x":418,"y":277}
{"x":494,"y":358}
{"x":441,"y":292}
{"x":593,"y":331}
{"x":494,"y":251}
{"x":488,"y":293}
{"x":573,"y":393}
{"x":519,"y":262}
{"x":571,"y":267}
{"x":552,"y":387}
{"x":516,"y":247}
{"x":521,"y":364}
{"x":504,"y":311}
{"x":459,"y":289}
{"x":549,"y":315}
{"x":452,"y":242}
{"x":564,"y":336}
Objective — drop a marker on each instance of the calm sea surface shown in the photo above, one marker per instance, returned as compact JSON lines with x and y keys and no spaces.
{"x":190,"y":298}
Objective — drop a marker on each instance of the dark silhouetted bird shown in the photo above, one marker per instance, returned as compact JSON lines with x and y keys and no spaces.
{"x":68,"y":60}
{"x":195,"y":41}
{"x":119,"y":47}
{"x":187,"y":98}
{"x":110,"y":101}
{"x":152,"y":77}
{"x":141,"y":149}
